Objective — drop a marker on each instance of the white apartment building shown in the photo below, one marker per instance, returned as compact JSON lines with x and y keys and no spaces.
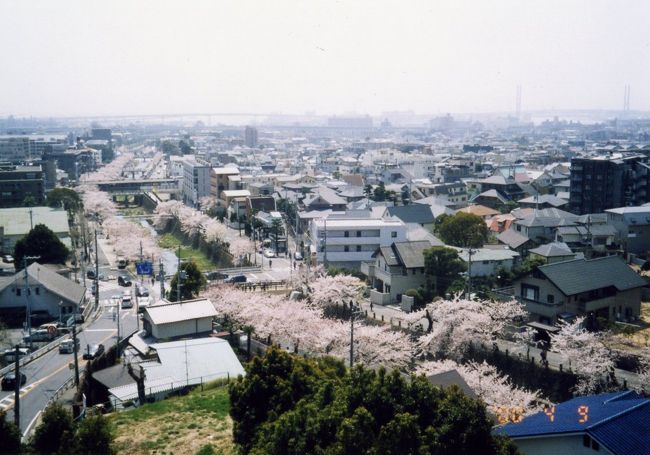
{"x":196,"y":180}
{"x":350,"y":241}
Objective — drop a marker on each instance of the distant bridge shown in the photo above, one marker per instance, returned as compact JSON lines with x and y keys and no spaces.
{"x":138,"y":186}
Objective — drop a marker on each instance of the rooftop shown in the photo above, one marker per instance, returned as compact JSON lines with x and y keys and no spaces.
{"x":167,"y":313}
{"x":16,"y":221}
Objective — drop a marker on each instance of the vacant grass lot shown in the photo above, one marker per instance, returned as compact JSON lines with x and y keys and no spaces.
{"x":179,"y":425}
{"x":171,"y":242}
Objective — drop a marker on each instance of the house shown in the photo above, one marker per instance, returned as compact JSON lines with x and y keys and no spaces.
{"x":395,"y":269}
{"x":325,"y":199}
{"x":350,"y":240}
{"x":490,"y":198}
{"x":541,"y":225}
{"x":605,"y":286}
{"x":543,"y":201}
{"x":414,"y":213}
{"x":487,"y":261}
{"x":480,"y":210}
{"x":173,"y":366}
{"x":633,"y":227}
{"x":500,"y":223}
{"x":166,"y":320}
{"x":48,"y":294}
{"x":15,"y":223}
{"x":552,"y":252}
{"x":515,"y":241}
{"x":612,"y":423}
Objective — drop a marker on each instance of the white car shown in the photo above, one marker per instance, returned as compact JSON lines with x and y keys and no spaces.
{"x":269,"y":253}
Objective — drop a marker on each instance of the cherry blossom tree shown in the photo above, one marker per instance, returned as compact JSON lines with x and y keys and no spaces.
{"x":451,"y":325}
{"x":325,"y":290}
{"x":588,"y":357}
{"x":495,"y":389}
{"x":241,"y":247}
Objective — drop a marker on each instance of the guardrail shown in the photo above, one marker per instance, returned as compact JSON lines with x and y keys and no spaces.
{"x":239,"y":270}
{"x":38,"y":353}
{"x":262,"y":285}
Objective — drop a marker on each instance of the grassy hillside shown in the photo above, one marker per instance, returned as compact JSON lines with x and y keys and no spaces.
{"x":179,"y":425}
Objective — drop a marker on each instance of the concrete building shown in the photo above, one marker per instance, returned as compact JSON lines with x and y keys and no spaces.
{"x":488,"y":261}
{"x":196,"y":180}
{"x":350,"y":241}
{"x":250,"y":137}
{"x":48,"y":294}
{"x":633,"y":227}
{"x":15,"y":223}
{"x":20,"y":148}
{"x":18,"y":183}
{"x":224,"y":178}
{"x":602,"y":183}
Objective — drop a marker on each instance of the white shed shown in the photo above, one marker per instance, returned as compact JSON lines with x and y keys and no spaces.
{"x":172,"y":320}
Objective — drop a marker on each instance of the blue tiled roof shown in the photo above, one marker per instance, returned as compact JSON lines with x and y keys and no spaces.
{"x":619,"y":421}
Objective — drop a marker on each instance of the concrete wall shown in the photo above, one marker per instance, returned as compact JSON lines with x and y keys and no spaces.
{"x":560,"y":445}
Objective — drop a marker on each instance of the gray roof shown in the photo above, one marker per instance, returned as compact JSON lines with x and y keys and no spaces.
{"x":544,"y":199}
{"x":582,"y":275}
{"x":182,"y":311}
{"x":553,"y":249}
{"x":412,"y":253}
{"x":548,"y":218}
{"x":413,"y":213}
{"x":491,"y":194}
{"x":52,"y":281}
{"x":16,"y":221}
{"x":512,"y":238}
{"x":451,"y":378}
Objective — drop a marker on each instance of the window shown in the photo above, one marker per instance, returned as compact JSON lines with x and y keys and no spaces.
{"x":346,"y":248}
{"x":486,"y":262}
{"x":529,"y":292}
{"x":38,"y":291}
{"x":358,"y":233}
{"x":414,"y":271}
{"x":18,"y":291}
{"x":586,"y":440}
{"x":550,"y":298}
{"x":393,"y":234}
{"x":346,"y":234}
{"x":358,"y":248}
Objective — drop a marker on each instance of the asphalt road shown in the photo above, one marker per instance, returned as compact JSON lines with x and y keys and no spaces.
{"x":49,"y":372}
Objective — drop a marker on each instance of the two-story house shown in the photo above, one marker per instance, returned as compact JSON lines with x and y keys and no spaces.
{"x":605,"y":286}
{"x":396,"y":268}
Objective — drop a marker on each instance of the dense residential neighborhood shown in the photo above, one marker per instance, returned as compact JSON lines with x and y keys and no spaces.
{"x":324,"y":228}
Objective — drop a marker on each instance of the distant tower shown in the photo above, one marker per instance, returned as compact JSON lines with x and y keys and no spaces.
{"x":626,"y":98}
{"x":518,"y":102}
{"x":250,"y":136}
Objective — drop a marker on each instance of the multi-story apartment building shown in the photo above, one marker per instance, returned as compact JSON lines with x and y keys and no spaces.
{"x":19,"y":148}
{"x":602,"y":183}
{"x":196,"y":180}
{"x":250,"y":136}
{"x":18,"y":183}
{"x":222,"y":179}
{"x":348,"y":241}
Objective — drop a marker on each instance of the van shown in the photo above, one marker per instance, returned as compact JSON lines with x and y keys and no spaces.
{"x":9,"y":355}
{"x":67,"y":346}
{"x":121,"y":262}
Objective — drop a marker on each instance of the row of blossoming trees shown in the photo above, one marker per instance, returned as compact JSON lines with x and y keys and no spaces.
{"x":444,"y":330}
{"x":196,"y":225}
{"x":304,"y":325}
{"x":127,"y":237}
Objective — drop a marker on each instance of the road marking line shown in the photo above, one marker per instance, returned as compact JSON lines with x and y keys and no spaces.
{"x":32,"y":423}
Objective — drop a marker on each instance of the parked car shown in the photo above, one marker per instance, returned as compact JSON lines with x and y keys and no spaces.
{"x":297,"y":256}
{"x":67,"y":346}
{"x":124,"y":280}
{"x":121,"y":262}
{"x":214,"y":276}
{"x":94,"y":351}
{"x":91,"y":274}
{"x":236,"y":279}
{"x":9,"y":355}
{"x":143,"y":303}
{"x":8,"y":259}
{"x":141,"y":291}
{"x":9,"y":381}
{"x":269,"y":253}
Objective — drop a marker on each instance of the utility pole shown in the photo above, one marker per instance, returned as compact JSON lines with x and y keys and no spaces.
{"x":353,"y":312}
{"x":117,"y":345}
{"x":325,"y":243}
{"x":470,"y":251}
{"x":74,"y":349}
{"x":17,"y":388}
{"x":28,"y":305}
{"x":161,"y":277}
{"x":96,"y":273}
{"x":178,"y":276}
{"x":31,"y":219}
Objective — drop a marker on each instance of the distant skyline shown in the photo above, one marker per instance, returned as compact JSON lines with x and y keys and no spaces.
{"x":83,"y":58}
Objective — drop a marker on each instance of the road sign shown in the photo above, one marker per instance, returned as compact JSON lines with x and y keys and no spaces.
{"x":144,"y":268}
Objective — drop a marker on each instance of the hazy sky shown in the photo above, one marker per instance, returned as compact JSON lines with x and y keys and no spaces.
{"x":137,"y":57}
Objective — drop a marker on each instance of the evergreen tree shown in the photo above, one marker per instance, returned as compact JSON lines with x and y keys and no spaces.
{"x":42,"y":242}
